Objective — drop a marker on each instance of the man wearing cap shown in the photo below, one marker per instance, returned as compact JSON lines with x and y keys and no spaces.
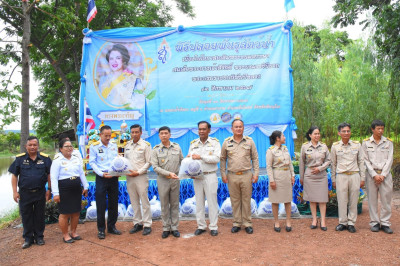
{"x":378,"y":158}
{"x":241,"y":154}
{"x":101,"y":154}
{"x":208,"y":151}
{"x":30,"y":171}
{"x":138,"y":152}
{"x":348,"y":175}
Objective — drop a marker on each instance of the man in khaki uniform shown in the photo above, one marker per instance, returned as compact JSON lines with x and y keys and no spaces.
{"x":138,"y":152}
{"x":378,"y":158}
{"x":348,"y":164}
{"x":208,"y":151}
{"x":241,"y":153}
{"x":166,"y":159}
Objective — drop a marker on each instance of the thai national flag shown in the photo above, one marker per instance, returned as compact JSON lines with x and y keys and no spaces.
{"x":91,"y":10}
{"x":89,"y":122}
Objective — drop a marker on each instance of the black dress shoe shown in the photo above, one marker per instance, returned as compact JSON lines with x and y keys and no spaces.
{"x":199,"y":232}
{"x":288,"y":228}
{"x":114,"y":231}
{"x":76,"y":237}
{"x":313,"y":226}
{"x":340,"y":227}
{"x":249,"y":230}
{"x":386,"y":229}
{"x":136,"y":228}
{"x":146,"y":231}
{"x":40,"y":242}
{"x":101,"y":235}
{"x":165,"y":234}
{"x":27,"y":244}
{"x":277,"y":229}
{"x":376,"y":228}
{"x":69,"y":241}
{"x":324,"y":228}
{"x":351,"y":229}
{"x":235,"y":229}
{"x":176,"y":233}
{"x":214,"y":232}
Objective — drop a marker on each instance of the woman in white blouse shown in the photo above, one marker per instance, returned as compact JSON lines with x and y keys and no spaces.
{"x":66,"y":177}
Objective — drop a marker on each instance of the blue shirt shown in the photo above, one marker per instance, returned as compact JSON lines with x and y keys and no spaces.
{"x":62,"y":168}
{"x":101,"y":156}
{"x":31,"y":174}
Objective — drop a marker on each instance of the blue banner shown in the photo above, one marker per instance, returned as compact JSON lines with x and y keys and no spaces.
{"x":179,"y":76}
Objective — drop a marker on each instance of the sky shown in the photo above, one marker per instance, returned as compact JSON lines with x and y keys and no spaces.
{"x":315,"y":12}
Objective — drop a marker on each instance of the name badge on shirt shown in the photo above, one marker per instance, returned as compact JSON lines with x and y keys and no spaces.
{"x":40,"y":162}
{"x":25,"y":162}
{"x":101,"y":150}
{"x":64,"y":163}
{"x":231,"y":145}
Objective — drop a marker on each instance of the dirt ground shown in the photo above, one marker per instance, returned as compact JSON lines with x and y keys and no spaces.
{"x":264,"y":247}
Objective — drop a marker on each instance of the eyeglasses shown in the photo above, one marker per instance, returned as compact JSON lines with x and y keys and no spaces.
{"x":68,"y":147}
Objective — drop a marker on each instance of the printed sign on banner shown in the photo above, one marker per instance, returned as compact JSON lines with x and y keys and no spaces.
{"x":180,"y":76}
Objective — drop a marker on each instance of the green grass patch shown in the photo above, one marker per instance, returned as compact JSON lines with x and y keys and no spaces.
{"x":92,"y":177}
{"x":8,"y":218}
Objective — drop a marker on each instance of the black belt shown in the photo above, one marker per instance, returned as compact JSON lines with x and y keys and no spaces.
{"x":31,"y":190}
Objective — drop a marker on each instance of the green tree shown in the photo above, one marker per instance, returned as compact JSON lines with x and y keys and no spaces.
{"x":57,"y":48}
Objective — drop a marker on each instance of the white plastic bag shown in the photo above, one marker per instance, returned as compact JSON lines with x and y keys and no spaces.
{"x":265,"y":208}
{"x":253,"y":206}
{"x":120,"y":166}
{"x":129,"y":212}
{"x":226,"y":208}
{"x":121,"y":210}
{"x":91,"y":212}
{"x":190,"y":169}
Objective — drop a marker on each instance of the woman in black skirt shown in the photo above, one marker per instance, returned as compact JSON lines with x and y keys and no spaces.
{"x":66,"y":177}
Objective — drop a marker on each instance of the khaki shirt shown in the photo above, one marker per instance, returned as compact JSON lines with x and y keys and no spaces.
{"x":278,"y":157}
{"x":166,"y":160}
{"x":347,"y":158}
{"x":209,"y":151}
{"x":138,"y":154}
{"x":378,"y":156}
{"x":311,"y":156}
{"x":241,"y":156}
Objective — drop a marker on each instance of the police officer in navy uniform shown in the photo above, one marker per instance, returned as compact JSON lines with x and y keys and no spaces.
{"x":31,"y":171}
{"x":101,"y":154}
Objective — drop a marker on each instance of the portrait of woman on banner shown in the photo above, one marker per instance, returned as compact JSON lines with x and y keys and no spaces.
{"x":120,"y":77}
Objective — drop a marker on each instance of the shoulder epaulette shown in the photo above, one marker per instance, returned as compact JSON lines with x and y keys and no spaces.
{"x":148,"y":143}
{"x":215,"y":139}
{"x":323,"y":143}
{"x":305,"y":143}
{"x":366,"y":139}
{"x":272,"y":146}
{"x":247,"y":137}
{"x":356,"y":141}
{"x":21,"y":154}
{"x":390,"y":139}
{"x":336,"y":143}
{"x":193,"y":141}
{"x":44,"y":154}
{"x":96,"y":143}
{"x":228,"y":138}
{"x":158,"y":145}
{"x":58,"y":155}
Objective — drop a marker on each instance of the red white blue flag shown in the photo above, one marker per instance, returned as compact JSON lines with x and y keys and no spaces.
{"x":91,"y":11}
{"x":89,"y":121}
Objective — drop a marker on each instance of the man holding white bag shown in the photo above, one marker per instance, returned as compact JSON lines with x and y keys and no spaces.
{"x":207,"y":150}
{"x":138,"y":152}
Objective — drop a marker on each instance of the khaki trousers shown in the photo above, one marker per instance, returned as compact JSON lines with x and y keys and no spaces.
{"x":385,"y":191}
{"x":168,"y":191}
{"x":348,"y":191}
{"x":240,"y":190}
{"x":207,"y":187}
{"x":138,"y":188}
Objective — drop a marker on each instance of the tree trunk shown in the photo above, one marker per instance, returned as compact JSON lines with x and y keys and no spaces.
{"x":25,"y":75}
